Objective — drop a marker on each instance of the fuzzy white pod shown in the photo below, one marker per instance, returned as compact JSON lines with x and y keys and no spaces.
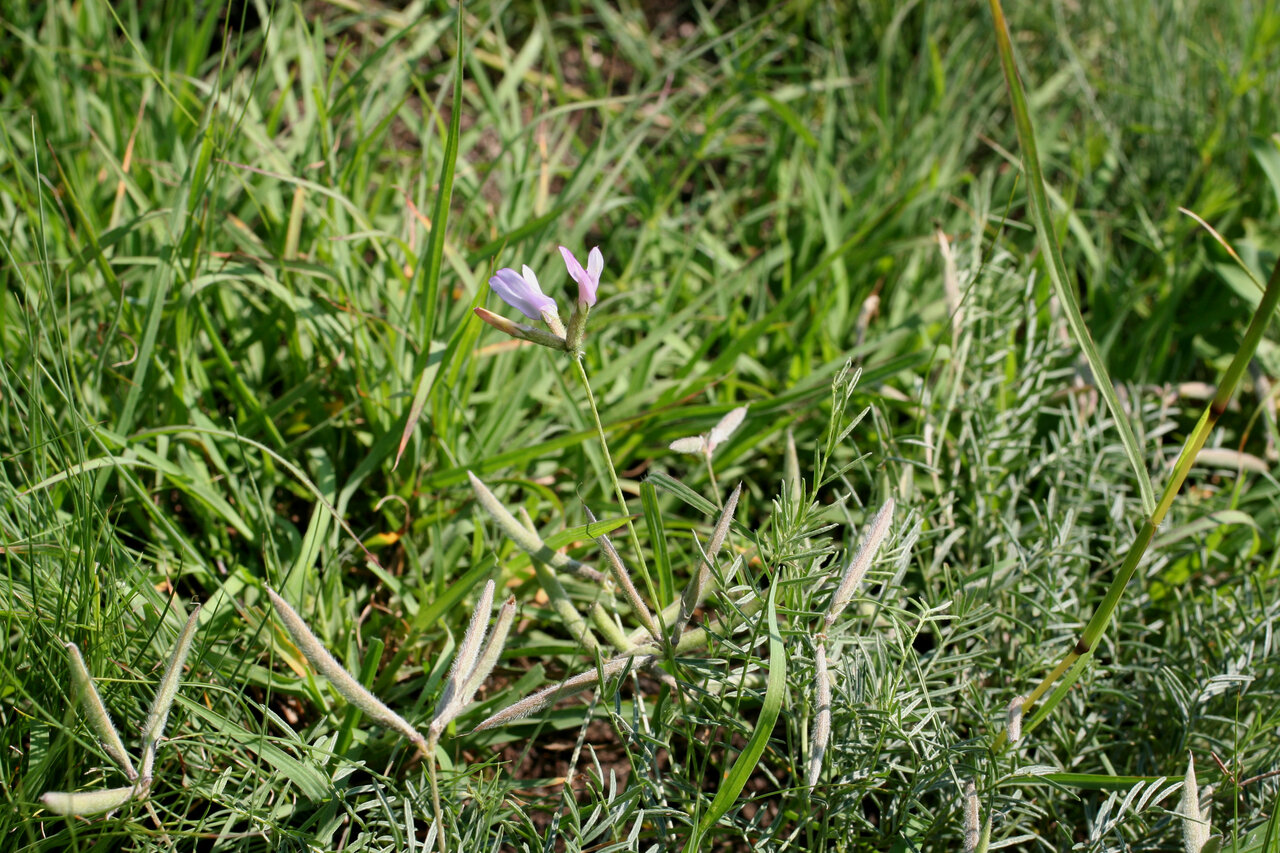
{"x":623,"y":578}
{"x":85,"y":803}
{"x":97,"y":712}
{"x":158,"y":718}
{"x":822,"y":719}
{"x":346,"y":685}
{"x":872,"y":538}
{"x":972,"y":815}
{"x":700,"y":584}
{"x":568,"y":687}
{"x":528,"y":541}
{"x":1015,"y":719}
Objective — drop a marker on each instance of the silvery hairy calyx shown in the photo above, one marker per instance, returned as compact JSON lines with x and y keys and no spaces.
{"x":522,"y":291}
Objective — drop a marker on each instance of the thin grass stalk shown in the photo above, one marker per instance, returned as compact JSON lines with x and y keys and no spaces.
{"x":346,"y":684}
{"x":166,"y":692}
{"x":1063,"y":284}
{"x":613,"y":471}
{"x":1072,"y":662}
{"x":99,"y":718}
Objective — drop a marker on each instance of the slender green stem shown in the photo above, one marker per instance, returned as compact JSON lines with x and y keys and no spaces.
{"x":1063,"y":284}
{"x":613,"y":476}
{"x":715,"y":487}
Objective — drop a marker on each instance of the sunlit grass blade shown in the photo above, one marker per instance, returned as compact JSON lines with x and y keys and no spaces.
{"x":1072,"y":662}
{"x":429,"y":271}
{"x":1063,"y":284}
{"x":745,"y":764}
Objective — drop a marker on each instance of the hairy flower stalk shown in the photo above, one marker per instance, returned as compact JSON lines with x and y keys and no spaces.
{"x":857,"y":568}
{"x":346,"y":684}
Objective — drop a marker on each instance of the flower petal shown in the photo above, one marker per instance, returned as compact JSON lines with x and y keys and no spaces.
{"x":586,"y":282}
{"x":522,"y":292}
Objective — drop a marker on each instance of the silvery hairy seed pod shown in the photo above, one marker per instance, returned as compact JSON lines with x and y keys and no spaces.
{"x":346,"y":684}
{"x":872,"y":538}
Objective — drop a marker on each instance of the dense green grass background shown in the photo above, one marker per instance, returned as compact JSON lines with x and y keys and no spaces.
{"x":219,"y":308}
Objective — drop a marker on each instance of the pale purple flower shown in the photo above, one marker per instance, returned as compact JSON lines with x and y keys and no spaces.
{"x":589,"y":279}
{"x":523,"y":293}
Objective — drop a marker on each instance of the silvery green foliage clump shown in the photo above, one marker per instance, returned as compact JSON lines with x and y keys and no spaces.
{"x":85,"y":803}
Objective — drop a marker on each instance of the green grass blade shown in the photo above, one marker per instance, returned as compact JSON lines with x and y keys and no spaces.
{"x":435,"y":250}
{"x":745,"y":764}
{"x":1039,"y":202}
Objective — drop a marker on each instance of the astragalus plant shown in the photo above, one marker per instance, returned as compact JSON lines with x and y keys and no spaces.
{"x":141,"y":776}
